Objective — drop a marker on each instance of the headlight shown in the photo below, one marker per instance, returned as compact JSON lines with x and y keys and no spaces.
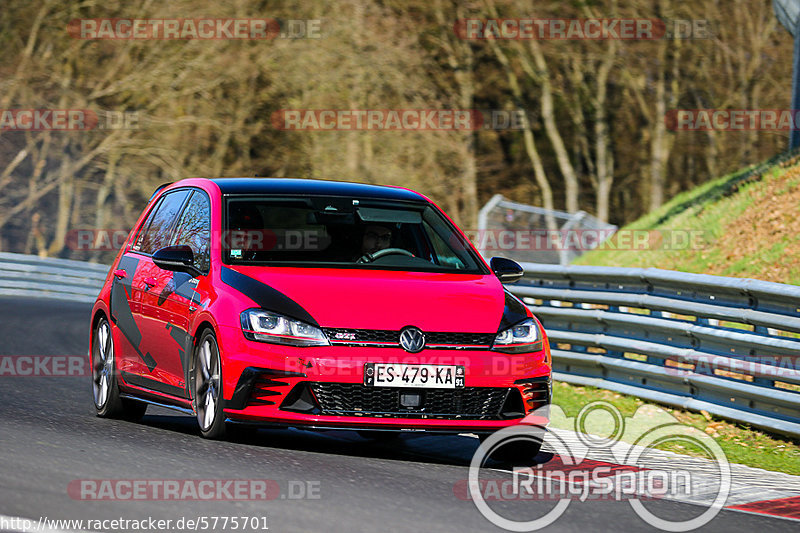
{"x":521,"y":338}
{"x":260,"y":325}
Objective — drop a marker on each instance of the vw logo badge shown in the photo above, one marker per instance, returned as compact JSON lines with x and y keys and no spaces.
{"x":412,"y":339}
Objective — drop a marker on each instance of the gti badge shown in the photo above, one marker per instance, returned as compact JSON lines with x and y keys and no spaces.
{"x":412,"y":339}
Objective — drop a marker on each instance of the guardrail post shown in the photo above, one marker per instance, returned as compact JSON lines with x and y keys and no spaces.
{"x":650,"y":359}
{"x":612,"y":353}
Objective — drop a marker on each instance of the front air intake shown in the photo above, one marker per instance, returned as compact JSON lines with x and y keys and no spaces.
{"x":301,"y":400}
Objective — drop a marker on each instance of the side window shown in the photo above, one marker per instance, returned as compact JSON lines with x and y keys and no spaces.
{"x":156,"y":232}
{"x":194,"y":229}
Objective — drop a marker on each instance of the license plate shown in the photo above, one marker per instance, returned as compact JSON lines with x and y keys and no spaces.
{"x":417,"y":376}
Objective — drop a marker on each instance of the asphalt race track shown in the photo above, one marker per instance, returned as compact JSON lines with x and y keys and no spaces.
{"x":49,"y":437}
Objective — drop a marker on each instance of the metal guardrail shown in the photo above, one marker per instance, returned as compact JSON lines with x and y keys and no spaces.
{"x":729,"y":346}
{"x":37,"y":277}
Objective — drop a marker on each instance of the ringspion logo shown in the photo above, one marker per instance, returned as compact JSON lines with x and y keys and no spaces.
{"x":565,"y":473}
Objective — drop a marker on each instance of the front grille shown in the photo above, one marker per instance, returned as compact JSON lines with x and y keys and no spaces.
{"x":482,"y":339}
{"x":387,"y":336}
{"x":364,"y":335}
{"x":355,"y":399}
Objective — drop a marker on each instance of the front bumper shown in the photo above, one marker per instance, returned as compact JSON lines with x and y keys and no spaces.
{"x":323,"y":387}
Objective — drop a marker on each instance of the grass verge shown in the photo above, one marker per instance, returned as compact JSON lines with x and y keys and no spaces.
{"x":742,"y":444}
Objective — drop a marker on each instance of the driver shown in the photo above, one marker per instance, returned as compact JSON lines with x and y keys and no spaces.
{"x":376,"y":238}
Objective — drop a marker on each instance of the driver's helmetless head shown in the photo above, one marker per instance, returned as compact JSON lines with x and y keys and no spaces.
{"x":376,"y":238}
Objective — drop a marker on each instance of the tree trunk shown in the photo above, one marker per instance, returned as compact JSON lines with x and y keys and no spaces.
{"x":659,"y":152}
{"x":66,"y":189}
{"x":603,"y":155}
{"x":571,"y":186}
{"x":460,"y":59}
{"x":528,"y":138}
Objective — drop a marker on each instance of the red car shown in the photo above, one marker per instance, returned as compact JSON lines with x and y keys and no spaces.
{"x":313,"y":304}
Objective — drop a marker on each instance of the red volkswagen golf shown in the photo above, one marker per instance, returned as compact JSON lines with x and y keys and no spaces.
{"x":313,"y":304}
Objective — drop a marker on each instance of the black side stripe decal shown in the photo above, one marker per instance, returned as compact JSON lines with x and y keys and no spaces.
{"x":152,"y":384}
{"x":265,"y":296}
{"x":121,"y":309}
{"x":513,"y":312}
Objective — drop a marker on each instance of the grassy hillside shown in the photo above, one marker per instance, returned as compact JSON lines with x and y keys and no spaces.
{"x":742,"y":225}
{"x":749,"y":227}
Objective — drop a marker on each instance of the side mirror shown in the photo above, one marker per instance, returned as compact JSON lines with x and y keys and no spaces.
{"x":506,"y":270}
{"x":177,"y":259}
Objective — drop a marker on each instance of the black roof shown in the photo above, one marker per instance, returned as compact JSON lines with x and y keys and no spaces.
{"x":310,"y":187}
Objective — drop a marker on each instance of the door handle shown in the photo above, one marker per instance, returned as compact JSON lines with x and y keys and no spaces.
{"x":150,"y":282}
{"x":119,"y":274}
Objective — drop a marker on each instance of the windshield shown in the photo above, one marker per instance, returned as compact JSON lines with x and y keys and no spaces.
{"x":343,"y":232}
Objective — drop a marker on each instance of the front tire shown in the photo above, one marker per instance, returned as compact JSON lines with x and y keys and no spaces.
{"x":207,"y":396}
{"x":105,"y":390}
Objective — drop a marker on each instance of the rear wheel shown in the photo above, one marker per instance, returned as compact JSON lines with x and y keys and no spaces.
{"x":105,"y":390}
{"x":207,"y":387}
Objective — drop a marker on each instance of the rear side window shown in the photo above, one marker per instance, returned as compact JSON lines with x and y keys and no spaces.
{"x":194,"y":229}
{"x":155,"y":232}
